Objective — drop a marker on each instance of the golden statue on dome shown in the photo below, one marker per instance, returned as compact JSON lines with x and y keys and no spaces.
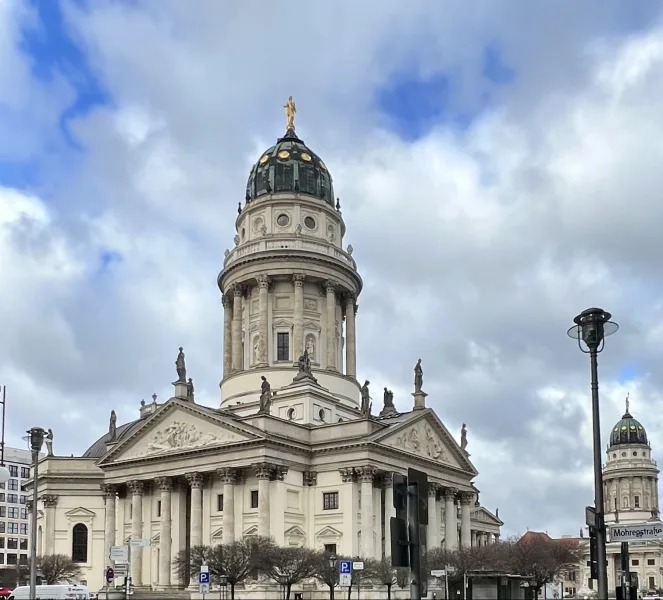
{"x":628,"y":401}
{"x":290,"y":112}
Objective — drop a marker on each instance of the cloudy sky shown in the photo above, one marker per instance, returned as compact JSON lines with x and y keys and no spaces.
{"x":499,"y":169}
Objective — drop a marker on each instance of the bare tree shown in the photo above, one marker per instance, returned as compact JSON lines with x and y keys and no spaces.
{"x":541,"y":557}
{"x":291,"y":565}
{"x":465,"y":560}
{"x":382,"y":573}
{"x":327,"y":572}
{"x":55,"y":568}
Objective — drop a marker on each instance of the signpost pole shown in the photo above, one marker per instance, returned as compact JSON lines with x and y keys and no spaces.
{"x":626,"y":568}
{"x":127,"y":579}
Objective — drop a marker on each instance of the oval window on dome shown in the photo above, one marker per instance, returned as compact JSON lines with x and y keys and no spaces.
{"x":306,"y":157}
{"x":309,"y":222}
{"x":283,"y":220}
{"x":632,"y":427}
{"x":624,"y":428}
{"x":264,"y":159}
{"x":284,"y":154}
{"x":323,"y":165}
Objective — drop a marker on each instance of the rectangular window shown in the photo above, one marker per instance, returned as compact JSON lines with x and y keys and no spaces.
{"x":635,"y":562}
{"x":158,"y":508}
{"x":23,"y":499}
{"x":12,"y":528}
{"x":3,"y":511}
{"x":24,"y":513}
{"x":13,"y":471}
{"x":12,"y":498}
{"x":23,"y":559}
{"x":2,"y":559}
{"x":219,"y":503}
{"x":636,"y":501}
{"x":330,"y":548}
{"x":25,"y":472}
{"x":282,"y":346}
{"x":330,"y":501}
{"x":2,"y":497}
{"x":3,"y":526}
{"x":2,"y":542}
{"x":651,"y":561}
{"x":23,"y":544}
{"x":12,"y":512}
{"x":652,"y":583}
{"x":254,"y":498}
{"x":23,"y":529}
{"x":11,"y":559}
{"x":12,"y":543}
{"x":12,"y":484}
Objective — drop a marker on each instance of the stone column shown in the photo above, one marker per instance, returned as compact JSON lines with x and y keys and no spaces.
{"x":237,"y":358}
{"x":466,"y":499}
{"x":227,"y":334}
{"x":263,"y":474}
{"x":489,"y":538}
{"x":196,"y":482}
{"x":263,"y":318}
{"x":366,"y":475}
{"x":350,"y":337}
{"x":298,"y":321}
{"x":474,"y":537}
{"x":49,"y":501}
{"x":389,"y":510}
{"x":450,"y":524}
{"x":165,"y":485}
{"x":136,"y":489}
{"x":110,"y":492}
{"x":432,"y":540}
{"x":330,"y":287}
{"x":228,"y":477}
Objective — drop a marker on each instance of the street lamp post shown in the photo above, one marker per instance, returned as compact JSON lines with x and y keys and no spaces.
{"x":591,"y":327}
{"x":4,"y":471}
{"x":36,"y":440}
{"x":333,"y":561}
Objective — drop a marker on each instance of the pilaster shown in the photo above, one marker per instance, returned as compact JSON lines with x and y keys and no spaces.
{"x":263,"y":319}
{"x":237,"y":357}
{"x":298,"y":321}
{"x":227,"y":333}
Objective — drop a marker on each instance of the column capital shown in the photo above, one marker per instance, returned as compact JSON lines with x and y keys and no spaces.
{"x":195,"y":480}
{"x":109,"y":490}
{"x":350,"y":299}
{"x":226,"y":300}
{"x":331,"y":285}
{"x":433,"y":489}
{"x":28,"y":505}
{"x":263,"y":281}
{"x":450,"y":493}
{"x":281,"y":472}
{"x":298,"y":279}
{"x":347,"y":474}
{"x":367,"y":474}
{"x":49,"y":500}
{"x":387,"y":480}
{"x":263,"y":471}
{"x":310,"y":478}
{"x":227,"y":475}
{"x":137,"y":488}
{"x":237,"y":289}
{"x":466,"y":498}
{"x":165,"y":484}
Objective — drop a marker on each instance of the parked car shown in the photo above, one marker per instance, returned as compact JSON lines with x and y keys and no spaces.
{"x":5,"y":592}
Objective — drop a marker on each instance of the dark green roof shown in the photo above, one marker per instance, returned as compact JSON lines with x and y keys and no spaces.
{"x":628,"y":431}
{"x":290,"y":166}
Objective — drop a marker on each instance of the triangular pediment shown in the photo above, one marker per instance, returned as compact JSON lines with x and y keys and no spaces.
{"x":253,"y":530}
{"x":483,"y":515}
{"x":178,"y":427}
{"x":328,"y":532}
{"x":295,"y":531}
{"x":80,"y":513}
{"x":423,"y":434}
{"x":217,"y":533}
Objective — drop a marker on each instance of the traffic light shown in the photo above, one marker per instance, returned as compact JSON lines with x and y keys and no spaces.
{"x":400,"y":550}
{"x":593,"y":554}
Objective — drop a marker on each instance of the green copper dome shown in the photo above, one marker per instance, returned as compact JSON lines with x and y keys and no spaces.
{"x":628,"y":431}
{"x":290,"y":166}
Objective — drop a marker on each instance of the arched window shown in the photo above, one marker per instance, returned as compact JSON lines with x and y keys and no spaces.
{"x":79,"y":543}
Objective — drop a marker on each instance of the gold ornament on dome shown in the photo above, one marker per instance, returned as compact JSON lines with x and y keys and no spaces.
{"x":624,"y":428}
{"x":284,"y":154}
{"x":290,"y":111}
{"x":264,"y":159}
{"x":306,"y":157}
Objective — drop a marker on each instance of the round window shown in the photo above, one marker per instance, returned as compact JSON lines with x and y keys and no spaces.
{"x":321,"y":414}
{"x":282,"y":220}
{"x":309,"y":222}
{"x":635,"y":454}
{"x":291,"y":413}
{"x":623,"y":453}
{"x":614,"y":456}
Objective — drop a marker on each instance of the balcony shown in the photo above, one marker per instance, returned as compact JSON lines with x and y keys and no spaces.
{"x":274,"y":243}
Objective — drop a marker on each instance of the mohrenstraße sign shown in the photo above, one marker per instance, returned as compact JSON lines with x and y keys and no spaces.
{"x":645,"y":531}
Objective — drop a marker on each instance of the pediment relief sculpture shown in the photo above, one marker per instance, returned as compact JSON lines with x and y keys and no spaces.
{"x":179,"y":435}
{"x":423,"y":440}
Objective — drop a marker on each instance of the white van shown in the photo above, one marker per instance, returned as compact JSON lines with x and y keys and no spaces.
{"x":52,"y":592}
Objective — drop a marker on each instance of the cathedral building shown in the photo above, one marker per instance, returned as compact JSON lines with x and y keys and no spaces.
{"x":295,"y":450}
{"x":630,"y":490}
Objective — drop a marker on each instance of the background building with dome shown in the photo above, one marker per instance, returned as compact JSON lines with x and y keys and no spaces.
{"x":630,"y":480}
{"x":295,"y":449}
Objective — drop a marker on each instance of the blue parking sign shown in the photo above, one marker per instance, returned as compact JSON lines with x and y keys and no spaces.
{"x":345,"y":566}
{"x":203,"y":577}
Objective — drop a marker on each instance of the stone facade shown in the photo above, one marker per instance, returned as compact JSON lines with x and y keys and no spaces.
{"x":310,"y":469}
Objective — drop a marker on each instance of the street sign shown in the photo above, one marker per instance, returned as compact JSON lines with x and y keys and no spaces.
{"x":438,"y":572}
{"x":121,"y":570}
{"x":110,"y":574}
{"x":345,"y":566}
{"x":641,"y":532}
{"x":203,"y":577}
{"x":141,"y":543}
{"x":345,"y":579}
{"x":358,"y":565}
{"x":203,"y":588}
{"x":119,"y":553}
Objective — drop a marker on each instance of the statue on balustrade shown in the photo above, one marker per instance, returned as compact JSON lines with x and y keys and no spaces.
{"x":304,"y":364}
{"x":189,"y":390}
{"x":389,"y":409}
{"x":112,"y":426}
{"x":180,"y":365}
{"x":265,"y":397}
{"x":418,"y":377}
{"x":365,"y":400}
{"x":463,"y":437}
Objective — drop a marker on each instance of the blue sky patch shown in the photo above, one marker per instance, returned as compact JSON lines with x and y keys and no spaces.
{"x":108,"y":259}
{"x":627,"y":374}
